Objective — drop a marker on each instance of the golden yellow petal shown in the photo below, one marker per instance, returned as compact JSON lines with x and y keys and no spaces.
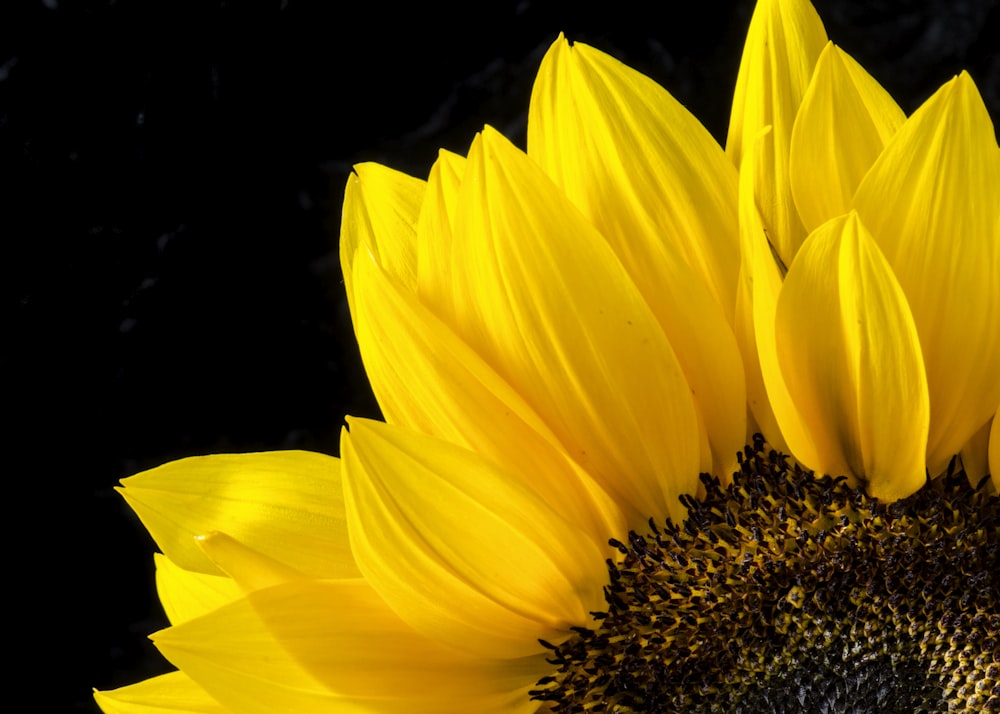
{"x":772,"y":407}
{"x":381,"y":206}
{"x":644,"y":171}
{"x":545,"y":301}
{"x":459,"y":549}
{"x":975,"y":454}
{"x":850,"y":356}
{"x":931,"y":201}
{"x":172,"y":693}
{"x":350,"y":648}
{"x":783,"y":43}
{"x":250,"y":569}
{"x":286,"y":504}
{"x":845,"y":120}
{"x":428,"y":379}
{"x":995,"y":451}
{"x":333,"y":646}
{"x":233,"y":655}
{"x":434,"y":229}
{"x":639,"y":166}
{"x":186,"y":595}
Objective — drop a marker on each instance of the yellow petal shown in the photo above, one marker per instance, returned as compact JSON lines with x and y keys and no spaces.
{"x":638,"y":165}
{"x":250,"y":569}
{"x":286,"y":504}
{"x":995,"y":451}
{"x":845,"y":120}
{"x":461,"y":551}
{"x":849,"y":353}
{"x":318,"y":647}
{"x":434,"y":229}
{"x":783,"y":43}
{"x":931,"y":201}
{"x":975,"y":454}
{"x":760,"y":284}
{"x":172,"y":693}
{"x":653,"y":181}
{"x":186,"y":595}
{"x":351,"y":647}
{"x":544,"y":299}
{"x":381,"y":206}
{"x":426,"y":378}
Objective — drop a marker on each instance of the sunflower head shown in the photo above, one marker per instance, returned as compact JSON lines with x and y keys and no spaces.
{"x":668,"y":427}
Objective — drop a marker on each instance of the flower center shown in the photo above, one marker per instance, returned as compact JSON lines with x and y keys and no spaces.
{"x":790,"y":593}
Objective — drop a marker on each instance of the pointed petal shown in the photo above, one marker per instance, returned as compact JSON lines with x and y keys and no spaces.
{"x":172,"y":693}
{"x":250,"y":569}
{"x":783,"y":43}
{"x":644,"y":171}
{"x":380,"y":212}
{"x":638,"y":165}
{"x":286,"y":504}
{"x":845,"y":120}
{"x":460,"y":550}
{"x":547,"y":302}
{"x":770,"y":403}
{"x":931,"y":203}
{"x":352,"y":646}
{"x":317,"y":647}
{"x":426,"y":378}
{"x":849,"y":353}
{"x":186,"y":595}
{"x":434,"y":229}
{"x":995,"y":451}
{"x":975,"y":454}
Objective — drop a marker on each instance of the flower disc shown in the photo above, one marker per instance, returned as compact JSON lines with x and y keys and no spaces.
{"x":791,"y":593}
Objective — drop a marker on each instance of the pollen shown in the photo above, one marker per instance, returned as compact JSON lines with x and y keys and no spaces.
{"x":787,"y":592}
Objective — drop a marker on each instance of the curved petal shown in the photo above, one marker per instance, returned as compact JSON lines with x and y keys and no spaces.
{"x":769,"y":401}
{"x":653,"y":181}
{"x":186,"y":595}
{"x":845,"y":120}
{"x":783,"y":43}
{"x":286,"y":649}
{"x":434,"y":229}
{"x":172,"y":693}
{"x":461,"y":551}
{"x":380,"y":212}
{"x":547,"y":303}
{"x":286,"y":504}
{"x":638,"y":165}
{"x":931,"y":202}
{"x":350,"y":648}
{"x":849,"y":353}
{"x":975,"y":454}
{"x":995,"y":451}
{"x":428,"y":379}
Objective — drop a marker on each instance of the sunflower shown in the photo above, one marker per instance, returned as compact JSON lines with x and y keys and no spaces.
{"x":667,"y":427}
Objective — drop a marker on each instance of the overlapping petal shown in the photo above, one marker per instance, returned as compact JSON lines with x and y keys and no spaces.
{"x":994,"y":452}
{"x":186,"y":594}
{"x":173,"y":693}
{"x":931,"y":203}
{"x":783,"y":43}
{"x":427,"y":378}
{"x":286,"y":504}
{"x":321,"y":646}
{"x":842,"y":125}
{"x":652,"y":180}
{"x":459,"y":548}
{"x":849,"y":353}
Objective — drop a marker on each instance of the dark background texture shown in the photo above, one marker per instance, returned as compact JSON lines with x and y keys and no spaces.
{"x":171,"y":175}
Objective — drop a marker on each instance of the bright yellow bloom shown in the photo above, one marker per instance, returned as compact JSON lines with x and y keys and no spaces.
{"x":561,"y":341}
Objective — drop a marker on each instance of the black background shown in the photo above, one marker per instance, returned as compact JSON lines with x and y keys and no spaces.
{"x":170,"y":183}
